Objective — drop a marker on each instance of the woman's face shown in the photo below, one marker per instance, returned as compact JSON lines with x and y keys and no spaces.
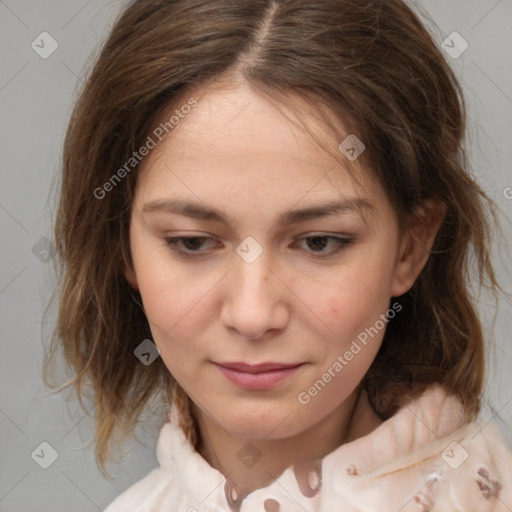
{"x":289,"y":264}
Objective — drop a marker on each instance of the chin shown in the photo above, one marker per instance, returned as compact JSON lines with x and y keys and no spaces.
{"x":267,"y":424}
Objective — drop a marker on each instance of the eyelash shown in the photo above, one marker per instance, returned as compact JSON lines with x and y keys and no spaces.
{"x":340,"y":242}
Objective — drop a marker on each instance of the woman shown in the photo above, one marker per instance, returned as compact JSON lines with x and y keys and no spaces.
{"x":276,"y":193}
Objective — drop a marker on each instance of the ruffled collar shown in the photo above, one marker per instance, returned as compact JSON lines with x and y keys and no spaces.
{"x":401,"y":441}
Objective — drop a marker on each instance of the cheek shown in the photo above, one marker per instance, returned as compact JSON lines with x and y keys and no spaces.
{"x":168,"y":300}
{"x":168,"y":291}
{"x":173,"y":305}
{"x":173,"y":310}
{"x":352,"y":303}
{"x":353,"y":314}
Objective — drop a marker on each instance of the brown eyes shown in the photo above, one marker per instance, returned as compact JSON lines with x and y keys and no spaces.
{"x":193,"y":246}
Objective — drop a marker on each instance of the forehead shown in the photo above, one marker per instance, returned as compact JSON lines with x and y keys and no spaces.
{"x":232,"y":119}
{"x":236,"y":139}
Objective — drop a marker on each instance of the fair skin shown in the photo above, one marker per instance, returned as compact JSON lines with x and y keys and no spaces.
{"x":237,"y":154}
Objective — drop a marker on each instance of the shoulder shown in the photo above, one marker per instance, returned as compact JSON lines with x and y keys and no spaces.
{"x":182,"y":479}
{"x":140,"y":496}
{"x":159,"y":486}
{"x":424,"y":458}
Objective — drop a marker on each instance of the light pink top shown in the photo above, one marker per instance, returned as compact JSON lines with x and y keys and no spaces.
{"x":420,"y":460}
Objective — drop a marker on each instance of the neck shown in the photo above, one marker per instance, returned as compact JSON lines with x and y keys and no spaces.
{"x":354,"y":418}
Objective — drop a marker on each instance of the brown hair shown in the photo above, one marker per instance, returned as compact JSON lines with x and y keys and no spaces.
{"x":372,"y":60}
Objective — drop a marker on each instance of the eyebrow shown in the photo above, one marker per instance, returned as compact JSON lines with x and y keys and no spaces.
{"x":200,"y":211}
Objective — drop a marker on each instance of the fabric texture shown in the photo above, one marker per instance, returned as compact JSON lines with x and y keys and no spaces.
{"x":423,"y":459}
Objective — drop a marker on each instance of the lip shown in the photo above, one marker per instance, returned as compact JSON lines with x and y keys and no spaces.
{"x":258,"y":376}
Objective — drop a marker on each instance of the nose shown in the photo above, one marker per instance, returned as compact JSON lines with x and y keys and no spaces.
{"x":255,"y":299}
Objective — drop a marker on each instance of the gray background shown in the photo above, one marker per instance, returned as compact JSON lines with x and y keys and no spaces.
{"x":36,"y":96}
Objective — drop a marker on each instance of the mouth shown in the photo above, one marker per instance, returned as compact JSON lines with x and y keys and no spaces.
{"x":261,"y":376}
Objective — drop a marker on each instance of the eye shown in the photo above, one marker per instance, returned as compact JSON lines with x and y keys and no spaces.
{"x":319,"y":242}
{"x":187,"y":246}
{"x":193,"y":246}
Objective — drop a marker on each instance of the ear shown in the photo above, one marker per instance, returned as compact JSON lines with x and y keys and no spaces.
{"x":131,"y":277}
{"x":416,"y":244}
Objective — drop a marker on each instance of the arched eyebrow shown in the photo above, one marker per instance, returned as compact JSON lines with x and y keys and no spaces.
{"x":200,"y":211}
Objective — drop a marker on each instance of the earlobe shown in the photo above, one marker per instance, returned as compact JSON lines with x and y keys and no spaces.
{"x":417,"y":243}
{"x":131,"y":277}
